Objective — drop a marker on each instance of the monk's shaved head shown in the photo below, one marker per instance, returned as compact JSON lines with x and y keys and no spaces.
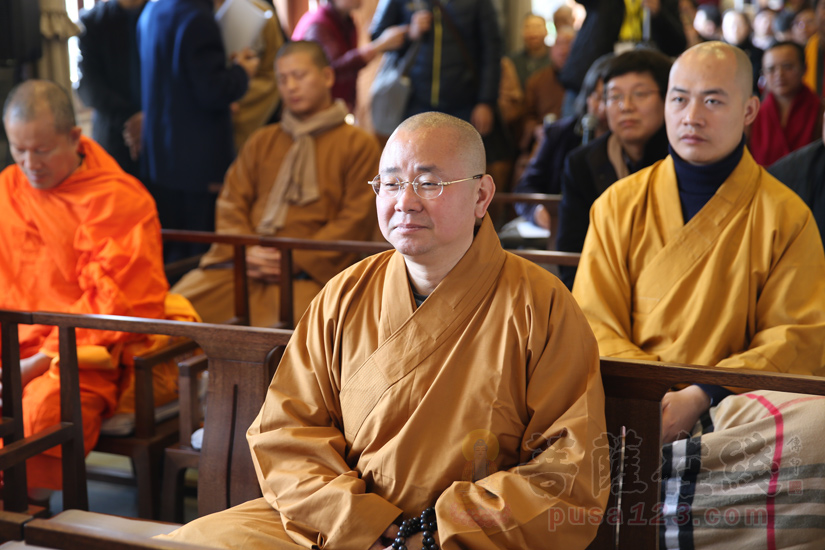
{"x":467,"y":140}
{"x":36,"y":98}
{"x":709,"y":102}
{"x":719,"y":52}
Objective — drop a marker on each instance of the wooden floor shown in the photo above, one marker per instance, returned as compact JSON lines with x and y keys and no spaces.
{"x":116,"y":498}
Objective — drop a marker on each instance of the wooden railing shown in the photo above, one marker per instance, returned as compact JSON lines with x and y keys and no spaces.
{"x":288,"y":245}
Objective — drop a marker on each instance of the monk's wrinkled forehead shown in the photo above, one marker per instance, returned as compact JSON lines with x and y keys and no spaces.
{"x":713,"y":66}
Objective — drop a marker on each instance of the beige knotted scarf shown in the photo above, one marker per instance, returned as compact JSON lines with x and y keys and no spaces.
{"x":297,"y":179}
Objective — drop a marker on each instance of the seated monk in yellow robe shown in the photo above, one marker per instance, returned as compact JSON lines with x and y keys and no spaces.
{"x":78,"y":235}
{"x":705,"y":258}
{"x":412,"y":360}
{"x":304,"y":177}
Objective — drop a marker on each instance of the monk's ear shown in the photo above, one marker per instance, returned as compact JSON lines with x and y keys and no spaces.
{"x":751,"y":109}
{"x":329,"y":76}
{"x":74,"y":134}
{"x":486,"y":190}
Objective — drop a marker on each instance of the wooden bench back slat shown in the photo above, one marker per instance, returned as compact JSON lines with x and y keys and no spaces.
{"x":68,"y":434}
{"x":288,"y":245}
{"x":14,"y":486}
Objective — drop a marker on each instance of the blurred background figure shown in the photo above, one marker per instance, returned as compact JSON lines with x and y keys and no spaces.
{"x":615,"y":25}
{"x":708,"y":22}
{"x":110,"y":77}
{"x":804,"y":26}
{"x":687,"y":14}
{"x":544,"y":93}
{"x":535,"y":54}
{"x":563,"y":17}
{"x":332,"y":26}
{"x":458,"y":66}
{"x":814,"y":56}
{"x":783,"y":26}
{"x":260,"y":102}
{"x":763,"y":28}
{"x":804,"y":172}
{"x":790,"y":114}
{"x":736,"y":31}
{"x":187,"y":87}
{"x":544,"y":173}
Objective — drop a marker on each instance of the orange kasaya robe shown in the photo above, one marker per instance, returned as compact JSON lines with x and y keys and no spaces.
{"x":90,"y":245}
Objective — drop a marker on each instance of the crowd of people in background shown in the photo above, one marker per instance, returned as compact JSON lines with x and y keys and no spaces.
{"x":575,"y":107}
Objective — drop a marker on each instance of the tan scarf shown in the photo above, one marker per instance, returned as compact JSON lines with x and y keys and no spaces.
{"x":297,"y":180}
{"x":614,"y":153}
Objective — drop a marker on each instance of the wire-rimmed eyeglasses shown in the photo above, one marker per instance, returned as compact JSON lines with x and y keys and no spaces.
{"x":426,"y":186}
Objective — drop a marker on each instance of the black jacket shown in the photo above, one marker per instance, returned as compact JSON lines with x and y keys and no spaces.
{"x":804,"y":172}
{"x":543,"y":174}
{"x":457,"y":89}
{"x":587,"y":174}
{"x":110,"y":75}
{"x":600,"y":31}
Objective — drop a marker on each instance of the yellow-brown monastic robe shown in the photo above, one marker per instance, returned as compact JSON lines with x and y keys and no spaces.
{"x":740,"y":285}
{"x":375,"y":410}
{"x":347,"y":158}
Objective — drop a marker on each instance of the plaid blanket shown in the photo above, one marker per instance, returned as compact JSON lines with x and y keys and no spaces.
{"x":751,"y":476}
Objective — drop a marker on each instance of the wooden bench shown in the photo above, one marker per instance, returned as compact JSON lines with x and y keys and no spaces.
{"x":634,"y":390}
{"x":146,"y":444}
{"x":241,"y":363}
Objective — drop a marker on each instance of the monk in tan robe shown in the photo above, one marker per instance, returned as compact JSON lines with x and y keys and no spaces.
{"x":304,"y":178}
{"x":409,"y":359}
{"x":705,"y":258}
{"x":77,"y":235}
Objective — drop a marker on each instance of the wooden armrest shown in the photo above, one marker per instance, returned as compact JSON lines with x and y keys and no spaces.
{"x":102,"y":533}
{"x":651,"y":380}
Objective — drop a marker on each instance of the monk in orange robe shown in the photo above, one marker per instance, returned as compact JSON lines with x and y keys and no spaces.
{"x":78,"y":235}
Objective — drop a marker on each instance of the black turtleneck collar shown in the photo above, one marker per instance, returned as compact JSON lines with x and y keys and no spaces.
{"x":697,"y":184}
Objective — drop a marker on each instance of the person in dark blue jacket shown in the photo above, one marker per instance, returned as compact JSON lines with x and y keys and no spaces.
{"x":187,"y":87}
